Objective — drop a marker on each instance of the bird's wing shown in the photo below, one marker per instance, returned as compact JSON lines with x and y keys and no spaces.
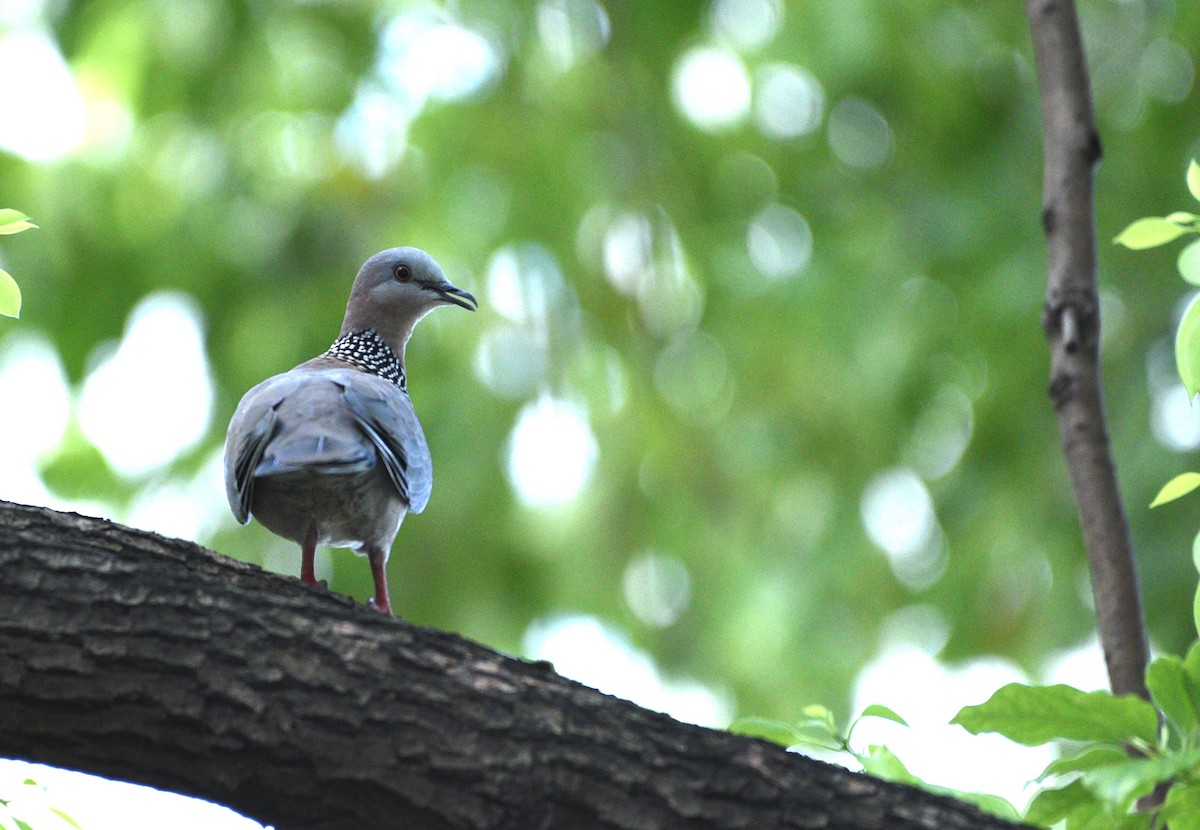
{"x":252,"y":427}
{"x":386,"y":416}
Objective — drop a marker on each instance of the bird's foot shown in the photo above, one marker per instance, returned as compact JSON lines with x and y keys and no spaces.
{"x":383,"y":607}
{"x":320,"y":583}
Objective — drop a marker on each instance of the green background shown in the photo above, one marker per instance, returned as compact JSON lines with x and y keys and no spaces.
{"x":738,"y":419}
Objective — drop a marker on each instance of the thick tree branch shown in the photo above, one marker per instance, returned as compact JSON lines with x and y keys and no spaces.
{"x":129,"y":655}
{"x":1072,"y":322}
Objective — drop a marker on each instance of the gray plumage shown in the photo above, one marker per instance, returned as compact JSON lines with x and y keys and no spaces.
{"x":331,"y":452}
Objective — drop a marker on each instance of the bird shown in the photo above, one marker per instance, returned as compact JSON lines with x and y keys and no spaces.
{"x":331,"y":452}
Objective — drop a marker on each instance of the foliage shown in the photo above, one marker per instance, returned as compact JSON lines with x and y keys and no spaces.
{"x":1121,"y":749}
{"x":11,"y":221}
{"x":1118,"y":750}
{"x":1152,"y":232}
{"x":818,"y":730}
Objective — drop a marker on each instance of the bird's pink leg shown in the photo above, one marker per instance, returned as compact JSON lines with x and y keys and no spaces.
{"x":378,"y":559}
{"x":308,"y":552}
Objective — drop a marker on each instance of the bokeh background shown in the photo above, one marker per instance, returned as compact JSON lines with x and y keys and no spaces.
{"x":753,"y":414}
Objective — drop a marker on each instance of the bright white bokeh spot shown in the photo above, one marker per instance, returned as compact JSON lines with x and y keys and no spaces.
{"x":643,"y":256}
{"x":1081,"y":666}
{"x":859,"y":135}
{"x":589,"y":652}
{"x":779,"y":242}
{"x":628,"y":251}
{"x":35,"y":405}
{"x":424,"y":55}
{"x":524,"y":283}
{"x":1174,"y":420}
{"x":571,"y":30}
{"x":35,"y":395}
{"x":746,"y":24}
{"x":151,"y":398}
{"x":17,"y":13}
{"x":901,"y":677}
{"x":657,"y":588}
{"x":788,"y":101}
{"x":192,"y":508}
{"x":374,"y":130}
{"x":711,"y":87}
{"x":511,"y":361}
{"x":551,"y":452}
{"x":941,"y":434}
{"x":897,"y":513}
{"x":100,"y":804}
{"x":43,"y":116}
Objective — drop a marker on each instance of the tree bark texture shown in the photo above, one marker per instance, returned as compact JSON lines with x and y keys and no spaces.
{"x":1071,"y":319}
{"x":156,"y":661}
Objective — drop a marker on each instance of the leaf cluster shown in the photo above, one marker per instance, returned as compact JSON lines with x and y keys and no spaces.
{"x":1120,"y":749}
{"x":1152,"y":231}
{"x":818,"y":730}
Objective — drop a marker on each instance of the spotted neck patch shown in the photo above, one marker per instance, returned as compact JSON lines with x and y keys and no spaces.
{"x":366,"y":350}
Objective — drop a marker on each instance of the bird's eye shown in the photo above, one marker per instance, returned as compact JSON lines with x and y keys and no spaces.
{"x":403,"y":273}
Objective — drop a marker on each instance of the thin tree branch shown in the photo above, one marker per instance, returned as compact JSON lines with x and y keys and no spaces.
{"x":1071,"y":319}
{"x":126,"y":654}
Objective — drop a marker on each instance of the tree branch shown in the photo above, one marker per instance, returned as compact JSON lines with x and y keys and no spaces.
{"x":1071,"y":319}
{"x":153,"y":660}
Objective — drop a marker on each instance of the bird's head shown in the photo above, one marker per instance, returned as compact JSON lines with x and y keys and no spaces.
{"x":396,"y":288}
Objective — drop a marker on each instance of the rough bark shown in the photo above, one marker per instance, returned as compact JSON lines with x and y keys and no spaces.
{"x":1071,"y":319}
{"x":156,"y":661}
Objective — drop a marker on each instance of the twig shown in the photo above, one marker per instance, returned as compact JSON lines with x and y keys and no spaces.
{"x":1072,"y":323}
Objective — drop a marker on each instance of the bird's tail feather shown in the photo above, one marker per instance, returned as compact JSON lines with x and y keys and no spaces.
{"x":319,"y":454}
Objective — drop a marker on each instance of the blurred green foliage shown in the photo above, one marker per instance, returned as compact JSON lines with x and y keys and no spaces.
{"x":741,"y":406}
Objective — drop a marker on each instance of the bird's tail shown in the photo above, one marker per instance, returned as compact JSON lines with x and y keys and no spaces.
{"x":318,"y":454}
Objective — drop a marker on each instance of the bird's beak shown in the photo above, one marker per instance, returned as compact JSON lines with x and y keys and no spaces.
{"x":452,"y":294}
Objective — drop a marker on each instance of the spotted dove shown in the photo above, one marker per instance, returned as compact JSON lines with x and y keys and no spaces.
{"x":331,"y":453}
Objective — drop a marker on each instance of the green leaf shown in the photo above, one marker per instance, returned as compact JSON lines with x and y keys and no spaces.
{"x":1189,"y":263}
{"x":1122,"y":783}
{"x":883,"y":763}
{"x":1182,"y":807}
{"x":1169,"y":689}
{"x":765,"y":728}
{"x":818,"y":721}
{"x":1193,"y":179}
{"x":1187,"y":347}
{"x":1196,"y":610}
{"x":1033,"y":715}
{"x":10,"y":295}
{"x":13,"y":221}
{"x":1091,"y":758}
{"x":1183,"y":219}
{"x":1191,"y":668}
{"x":65,"y":817}
{"x":1148,"y":233}
{"x":819,"y":714}
{"x":1049,"y":807}
{"x":1177,"y":487}
{"x":878,"y":710}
